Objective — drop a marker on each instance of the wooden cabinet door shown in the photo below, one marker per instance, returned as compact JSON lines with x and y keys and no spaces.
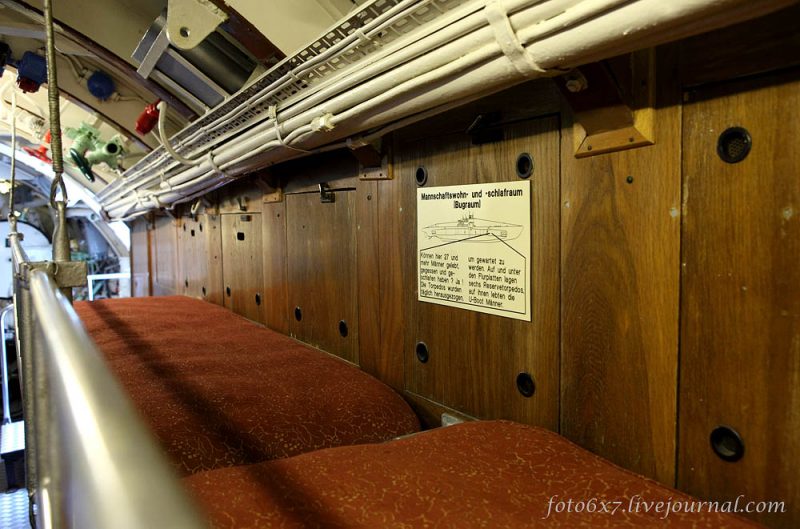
{"x":321,"y":269}
{"x":740,"y":297}
{"x":243,"y":265}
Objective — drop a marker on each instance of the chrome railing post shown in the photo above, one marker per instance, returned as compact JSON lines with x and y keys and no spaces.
{"x":23,"y":319}
{"x":46,"y":428}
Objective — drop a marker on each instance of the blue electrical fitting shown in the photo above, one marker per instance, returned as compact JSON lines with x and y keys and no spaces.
{"x":31,"y":72}
{"x":101,"y":85}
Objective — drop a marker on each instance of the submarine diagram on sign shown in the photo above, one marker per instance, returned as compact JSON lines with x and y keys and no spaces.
{"x":470,"y":229}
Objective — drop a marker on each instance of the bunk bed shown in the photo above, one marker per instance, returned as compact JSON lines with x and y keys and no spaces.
{"x":218,"y":390}
{"x":269,"y":433}
{"x":494,"y":474}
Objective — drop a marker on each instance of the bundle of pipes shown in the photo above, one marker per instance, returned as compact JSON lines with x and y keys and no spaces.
{"x":476,"y":49}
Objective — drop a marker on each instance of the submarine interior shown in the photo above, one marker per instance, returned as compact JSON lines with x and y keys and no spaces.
{"x":399,"y":264}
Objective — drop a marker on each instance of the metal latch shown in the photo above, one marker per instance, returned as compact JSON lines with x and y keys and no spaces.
{"x":326,"y":194}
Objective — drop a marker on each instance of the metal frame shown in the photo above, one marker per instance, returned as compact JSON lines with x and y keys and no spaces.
{"x":90,"y":463}
{"x":91,"y":278}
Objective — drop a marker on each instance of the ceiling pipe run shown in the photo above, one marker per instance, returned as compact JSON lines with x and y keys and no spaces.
{"x":477,"y":49}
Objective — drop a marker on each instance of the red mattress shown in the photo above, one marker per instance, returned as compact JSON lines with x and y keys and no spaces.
{"x":483,"y":474}
{"x":218,"y":390}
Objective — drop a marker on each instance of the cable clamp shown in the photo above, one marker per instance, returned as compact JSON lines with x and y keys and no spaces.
{"x":323,"y":123}
{"x":164,"y":182}
{"x":216,"y":167}
{"x":363,"y":38}
{"x":272,"y":112}
{"x":154,"y":198}
{"x":504,"y":34}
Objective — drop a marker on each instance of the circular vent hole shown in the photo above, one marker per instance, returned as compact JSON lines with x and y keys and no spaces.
{"x":734,"y":144}
{"x":727,"y":443}
{"x":525,"y":384}
{"x":421,"y":176}
{"x":524,"y":165}
{"x":422,"y":352}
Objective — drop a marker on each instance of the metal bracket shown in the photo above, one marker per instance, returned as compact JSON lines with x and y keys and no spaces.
{"x":326,"y":196}
{"x":153,"y":54}
{"x":67,"y":274}
{"x":191,"y":21}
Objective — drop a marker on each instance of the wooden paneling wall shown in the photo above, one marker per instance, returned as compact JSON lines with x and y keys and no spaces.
{"x":665,"y":299}
{"x":740,"y":315}
{"x":243,"y":268}
{"x":475,"y":358}
{"x":140,"y":257}
{"x":620,"y":254}
{"x":276,"y":284}
{"x":322,"y":272}
{"x":200,"y":259}
{"x":164,"y":257}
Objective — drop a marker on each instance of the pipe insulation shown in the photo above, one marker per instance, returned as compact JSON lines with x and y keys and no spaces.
{"x":479,"y":48}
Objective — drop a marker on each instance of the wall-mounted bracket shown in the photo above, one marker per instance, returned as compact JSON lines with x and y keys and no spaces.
{"x":191,"y":21}
{"x":372,"y":165}
{"x":272,"y":191}
{"x":383,"y":171}
{"x":613,"y":104}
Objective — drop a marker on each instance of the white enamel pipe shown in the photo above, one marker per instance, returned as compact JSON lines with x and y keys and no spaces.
{"x":612,"y":27}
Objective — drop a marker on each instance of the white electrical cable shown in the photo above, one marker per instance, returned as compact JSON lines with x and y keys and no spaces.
{"x":373,"y":27}
{"x":162,"y":136}
{"x":480,"y":52}
{"x":418,"y":66}
{"x":448,"y":57}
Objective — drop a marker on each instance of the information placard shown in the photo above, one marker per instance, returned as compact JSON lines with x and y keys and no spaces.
{"x":474,"y":246}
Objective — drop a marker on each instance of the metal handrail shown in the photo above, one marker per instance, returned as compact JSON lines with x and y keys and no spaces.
{"x":94,"y":464}
{"x":4,"y":362}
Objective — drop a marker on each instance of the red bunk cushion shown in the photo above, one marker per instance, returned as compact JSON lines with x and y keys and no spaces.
{"x":218,"y":390}
{"x":483,"y":474}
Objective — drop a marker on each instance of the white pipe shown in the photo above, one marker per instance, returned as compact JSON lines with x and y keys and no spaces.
{"x":380,"y":90}
{"x":467,"y":59}
{"x":339,"y":48}
{"x":447,"y":51}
